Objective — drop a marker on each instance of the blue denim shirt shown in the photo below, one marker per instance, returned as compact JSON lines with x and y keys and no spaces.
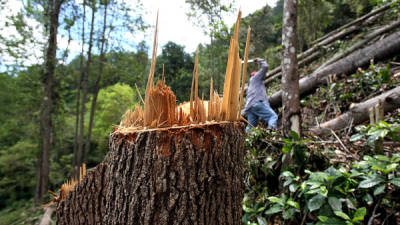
{"x":256,"y":89}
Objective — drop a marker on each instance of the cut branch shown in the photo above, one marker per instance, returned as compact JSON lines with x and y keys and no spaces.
{"x":379,"y":50}
{"x":360,"y":112}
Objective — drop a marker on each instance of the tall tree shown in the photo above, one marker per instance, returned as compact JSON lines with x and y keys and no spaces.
{"x":291,"y":118}
{"x":85,"y":86}
{"x":78,"y":88}
{"x":97,"y":84}
{"x":46,"y":126}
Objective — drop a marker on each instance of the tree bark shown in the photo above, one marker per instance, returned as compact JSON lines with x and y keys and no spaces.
{"x":85,"y":84}
{"x":190,"y":175}
{"x":181,"y":175}
{"x":86,"y":203}
{"x":381,"y":49}
{"x":356,"y":21}
{"x":46,"y":125}
{"x":360,"y":112}
{"x":97,"y":85}
{"x":364,"y":41}
{"x":291,"y":118}
{"x":79,"y":80}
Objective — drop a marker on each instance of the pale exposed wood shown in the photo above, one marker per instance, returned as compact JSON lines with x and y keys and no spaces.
{"x":246,"y":56}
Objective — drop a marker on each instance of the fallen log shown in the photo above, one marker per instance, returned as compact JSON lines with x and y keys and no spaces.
{"x":330,"y":38}
{"x":364,"y":40}
{"x":46,"y":219}
{"x":356,"y":21}
{"x":381,"y":49}
{"x":360,"y":112}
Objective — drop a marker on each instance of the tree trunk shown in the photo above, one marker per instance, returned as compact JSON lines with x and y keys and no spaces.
{"x":291,"y":118}
{"x":79,"y":80}
{"x":356,"y":21}
{"x":190,"y":175}
{"x":379,"y":50}
{"x":360,"y":112}
{"x":85,"y":84}
{"x":46,"y":125}
{"x":182,"y":175}
{"x":363,"y":42}
{"x":97,"y":85}
{"x":86,"y":203}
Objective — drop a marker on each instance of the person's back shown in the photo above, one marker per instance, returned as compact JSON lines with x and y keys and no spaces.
{"x":257,"y":104}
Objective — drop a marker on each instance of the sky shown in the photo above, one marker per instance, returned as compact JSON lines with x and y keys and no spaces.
{"x":175,"y":26}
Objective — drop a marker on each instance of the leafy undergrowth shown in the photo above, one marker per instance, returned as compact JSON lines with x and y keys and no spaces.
{"x":329,"y":183}
{"x":21,"y":213}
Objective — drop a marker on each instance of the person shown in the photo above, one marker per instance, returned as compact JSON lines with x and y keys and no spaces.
{"x":257,"y":105}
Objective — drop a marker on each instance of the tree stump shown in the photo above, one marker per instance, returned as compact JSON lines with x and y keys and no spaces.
{"x":187,"y":175}
{"x":86,"y":203}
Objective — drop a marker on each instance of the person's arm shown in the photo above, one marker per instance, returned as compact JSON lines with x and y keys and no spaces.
{"x":260,"y":75}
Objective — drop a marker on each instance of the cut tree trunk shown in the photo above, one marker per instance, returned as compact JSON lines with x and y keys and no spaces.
{"x":191,"y":175}
{"x":363,"y":42}
{"x":85,"y":205}
{"x":360,"y":112}
{"x":356,"y":21}
{"x":381,"y":49}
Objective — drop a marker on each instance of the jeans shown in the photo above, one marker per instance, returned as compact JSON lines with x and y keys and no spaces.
{"x":263,"y":110}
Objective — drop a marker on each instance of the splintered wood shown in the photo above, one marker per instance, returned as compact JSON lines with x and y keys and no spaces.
{"x":160,"y":109}
{"x":67,"y":187}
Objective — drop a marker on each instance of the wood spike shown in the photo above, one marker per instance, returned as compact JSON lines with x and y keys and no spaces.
{"x":140,"y":96}
{"x":147,"y":106}
{"x":246,"y":57}
{"x":163,"y":74}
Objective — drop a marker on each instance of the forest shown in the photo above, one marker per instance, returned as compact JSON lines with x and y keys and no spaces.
{"x":72,"y":71}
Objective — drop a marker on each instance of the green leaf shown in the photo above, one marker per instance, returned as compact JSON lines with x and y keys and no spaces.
{"x":382,"y":158}
{"x":288,"y":214}
{"x":294,"y":204}
{"x":287,"y":148}
{"x":335,"y":203}
{"x":395,"y":181}
{"x":359,"y":214}
{"x":315,"y":202}
{"x":332,"y":221}
{"x":274,"y":199}
{"x":324,"y":191}
{"x":368,"y":199}
{"x":380,"y":189}
{"x":323,"y":218}
{"x":274,"y":209}
{"x":261,"y":220}
{"x":356,"y":137}
{"x":293,"y":187}
{"x":294,"y":135}
{"x":370,"y":182}
{"x":248,"y":209}
{"x":341,"y":215}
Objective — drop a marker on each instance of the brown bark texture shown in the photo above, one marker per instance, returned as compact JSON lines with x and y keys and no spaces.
{"x":360,"y":112}
{"x":86,"y":203}
{"x":290,"y":76}
{"x":379,"y":50}
{"x":187,"y":175}
{"x":46,"y":124}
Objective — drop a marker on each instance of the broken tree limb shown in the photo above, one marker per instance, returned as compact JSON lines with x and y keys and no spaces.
{"x":360,"y":112}
{"x":186,"y":175}
{"x":303,"y":62}
{"x":381,"y":49}
{"x":356,"y":21}
{"x":367,"y":38}
{"x":46,"y":219}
